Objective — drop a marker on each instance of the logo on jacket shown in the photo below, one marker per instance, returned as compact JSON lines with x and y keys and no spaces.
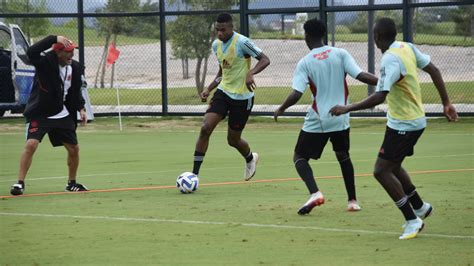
{"x":226,"y":64}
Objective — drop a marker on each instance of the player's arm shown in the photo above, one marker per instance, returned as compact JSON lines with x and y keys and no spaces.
{"x":448,"y":108}
{"x":292,"y":99}
{"x":369,"y":102}
{"x":367,"y":78}
{"x":205,"y":93}
{"x":351,"y":68}
{"x":263,"y":62}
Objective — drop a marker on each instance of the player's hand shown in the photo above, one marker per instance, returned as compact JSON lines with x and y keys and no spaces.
{"x":450,"y":113}
{"x":338,"y":110}
{"x":278,"y":112}
{"x":250,"y":82}
{"x":65,"y":41}
{"x":83,"y":116}
{"x":204,"y":94}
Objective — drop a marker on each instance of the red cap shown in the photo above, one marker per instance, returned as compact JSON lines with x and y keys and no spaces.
{"x":60,"y":46}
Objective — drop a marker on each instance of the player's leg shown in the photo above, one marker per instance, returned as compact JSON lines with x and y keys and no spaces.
{"x":422,"y":209}
{"x":309,"y":145}
{"x":34,"y":135}
{"x":68,"y":138}
{"x":217,"y":111}
{"x":408,"y":141}
{"x":239,"y":112}
{"x":341,"y":146}
{"x":389,"y":160}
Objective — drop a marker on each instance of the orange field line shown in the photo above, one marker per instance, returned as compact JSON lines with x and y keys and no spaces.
{"x":220,"y":184}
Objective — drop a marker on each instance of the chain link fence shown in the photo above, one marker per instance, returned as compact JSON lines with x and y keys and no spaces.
{"x":164,"y":47}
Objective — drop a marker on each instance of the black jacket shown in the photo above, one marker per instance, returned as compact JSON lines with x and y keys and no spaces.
{"x":46,"y":98}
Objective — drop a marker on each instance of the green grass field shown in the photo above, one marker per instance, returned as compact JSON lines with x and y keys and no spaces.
{"x":459,"y":92}
{"x":135,"y":215}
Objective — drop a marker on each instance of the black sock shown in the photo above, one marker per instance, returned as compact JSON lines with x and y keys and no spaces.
{"x":415,"y":200}
{"x":249,"y":157}
{"x":198,"y":158}
{"x":306,"y":173}
{"x":71,"y":182}
{"x":348,"y":173}
{"x":405,"y":208}
{"x":22,"y":183}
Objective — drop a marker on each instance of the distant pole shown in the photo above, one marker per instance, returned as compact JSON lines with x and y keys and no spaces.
{"x":164,"y":69}
{"x":80,"y":30}
{"x":370,"y":47}
{"x":244,"y":20}
{"x":333,"y":26}
{"x":407,"y":22}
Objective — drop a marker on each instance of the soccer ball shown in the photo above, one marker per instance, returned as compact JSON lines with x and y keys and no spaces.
{"x":187,"y":182}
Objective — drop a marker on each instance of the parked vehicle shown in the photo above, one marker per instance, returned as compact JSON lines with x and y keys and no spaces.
{"x":16,"y":74}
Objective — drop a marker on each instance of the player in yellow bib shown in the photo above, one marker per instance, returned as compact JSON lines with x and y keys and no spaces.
{"x":235,"y":92}
{"x":398,"y":83}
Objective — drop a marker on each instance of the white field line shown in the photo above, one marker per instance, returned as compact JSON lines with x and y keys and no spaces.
{"x":274,"y":226}
{"x":219,"y":168}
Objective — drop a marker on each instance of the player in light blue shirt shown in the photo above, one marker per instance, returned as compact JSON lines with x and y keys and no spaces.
{"x":393,"y":69}
{"x":323,"y":70}
{"x":245,"y":48}
{"x":399,"y":85}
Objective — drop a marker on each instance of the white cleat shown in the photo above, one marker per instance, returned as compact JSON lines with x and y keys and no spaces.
{"x":412,"y":228}
{"x":316,"y":199}
{"x":425,"y":211}
{"x":353,"y":206}
{"x":251,"y":167}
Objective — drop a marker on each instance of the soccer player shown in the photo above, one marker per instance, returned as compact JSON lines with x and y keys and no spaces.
{"x":235,"y":92}
{"x":399,"y":84}
{"x":324,"y":69}
{"x":53,"y":105}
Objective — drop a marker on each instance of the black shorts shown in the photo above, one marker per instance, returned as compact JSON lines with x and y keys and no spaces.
{"x":60,"y":131}
{"x":238,"y":110}
{"x":398,"y":144}
{"x":311,"y":145}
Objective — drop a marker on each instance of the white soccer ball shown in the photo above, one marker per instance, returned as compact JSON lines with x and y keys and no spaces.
{"x":187,"y":182}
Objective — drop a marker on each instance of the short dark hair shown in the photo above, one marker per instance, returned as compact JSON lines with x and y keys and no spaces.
{"x":315,"y":28}
{"x":224,"y":17}
{"x":386,"y":29}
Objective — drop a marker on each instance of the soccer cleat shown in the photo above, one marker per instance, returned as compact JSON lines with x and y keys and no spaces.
{"x":425,"y":211}
{"x":412,"y":228}
{"x":76,"y":187}
{"x":316,"y":199}
{"x":353,"y":206}
{"x":17,"y":189}
{"x":251,"y":167}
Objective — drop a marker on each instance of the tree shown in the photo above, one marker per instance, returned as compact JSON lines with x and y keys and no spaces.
{"x":32,"y":27}
{"x":359,"y":25}
{"x":191,"y":36}
{"x":111,"y":27}
{"x":463,"y":17}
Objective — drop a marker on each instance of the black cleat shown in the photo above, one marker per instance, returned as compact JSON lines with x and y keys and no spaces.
{"x":76,"y":187}
{"x":17,"y":189}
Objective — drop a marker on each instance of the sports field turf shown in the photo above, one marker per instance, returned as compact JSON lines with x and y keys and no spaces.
{"x":134,"y":215}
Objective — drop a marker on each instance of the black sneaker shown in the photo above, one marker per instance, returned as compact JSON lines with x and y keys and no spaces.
{"x":17,"y":189}
{"x":76,"y":187}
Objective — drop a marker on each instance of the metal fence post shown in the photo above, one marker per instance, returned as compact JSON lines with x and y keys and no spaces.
{"x":164,"y":70}
{"x":370,"y":47}
{"x":244,"y":20}
{"x":80,"y":30}
{"x":407,"y":21}
{"x":323,"y":17}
